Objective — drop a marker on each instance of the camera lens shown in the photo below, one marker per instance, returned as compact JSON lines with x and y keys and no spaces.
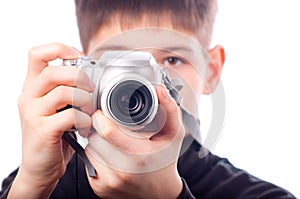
{"x":130,"y":102}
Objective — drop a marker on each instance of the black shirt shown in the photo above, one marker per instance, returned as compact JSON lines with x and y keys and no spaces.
{"x":204,"y":177}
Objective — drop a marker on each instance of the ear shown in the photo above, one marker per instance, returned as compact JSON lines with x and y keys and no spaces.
{"x":215,"y":66}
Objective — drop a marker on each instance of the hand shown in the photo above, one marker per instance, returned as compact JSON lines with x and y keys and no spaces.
{"x":46,"y":90}
{"x":131,"y":167}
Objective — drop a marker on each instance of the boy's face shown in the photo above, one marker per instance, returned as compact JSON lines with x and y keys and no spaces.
{"x":178,"y":51}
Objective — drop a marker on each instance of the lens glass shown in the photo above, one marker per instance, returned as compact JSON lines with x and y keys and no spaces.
{"x":130,"y":102}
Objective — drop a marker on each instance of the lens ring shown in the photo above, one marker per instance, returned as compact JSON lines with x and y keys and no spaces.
{"x":130,"y":102}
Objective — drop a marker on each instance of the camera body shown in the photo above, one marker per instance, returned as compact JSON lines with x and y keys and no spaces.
{"x":125,"y":87}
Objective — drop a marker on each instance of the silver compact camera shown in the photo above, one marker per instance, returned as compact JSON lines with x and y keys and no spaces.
{"x":125,"y":87}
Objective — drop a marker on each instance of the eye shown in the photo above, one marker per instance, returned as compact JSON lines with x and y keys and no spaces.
{"x":172,"y":61}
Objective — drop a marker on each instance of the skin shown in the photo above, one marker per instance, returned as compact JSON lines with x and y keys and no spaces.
{"x":48,"y":89}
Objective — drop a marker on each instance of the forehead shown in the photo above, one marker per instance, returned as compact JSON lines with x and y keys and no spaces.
{"x":147,"y":31}
{"x":164,"y":39}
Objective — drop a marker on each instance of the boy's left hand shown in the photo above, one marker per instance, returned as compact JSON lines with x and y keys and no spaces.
{"x":131,"y":167}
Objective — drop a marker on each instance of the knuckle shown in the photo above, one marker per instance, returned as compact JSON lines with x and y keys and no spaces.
{"x":69,"y":117}
{"x":57,"y":46}
{"x":107,"y":132}
{"x":61,"y":94}
{"x":114,"y":184}
{"x":119,"y":181}
{"x":33,"y":52}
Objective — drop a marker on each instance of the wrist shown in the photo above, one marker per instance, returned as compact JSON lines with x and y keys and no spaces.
{"x":166,"y":183}
{"x":29,"y":186}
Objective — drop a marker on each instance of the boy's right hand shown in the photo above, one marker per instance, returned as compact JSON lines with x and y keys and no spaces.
{"x":46,"y":90}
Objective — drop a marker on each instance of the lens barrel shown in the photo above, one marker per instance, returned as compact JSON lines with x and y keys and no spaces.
{"x":130,"y":102}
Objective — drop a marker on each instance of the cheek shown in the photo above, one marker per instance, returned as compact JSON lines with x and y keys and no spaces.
{"x":192,"y":87}
{"x":193,"y":79}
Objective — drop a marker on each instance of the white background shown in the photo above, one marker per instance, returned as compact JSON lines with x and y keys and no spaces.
{"x":260,"y":77}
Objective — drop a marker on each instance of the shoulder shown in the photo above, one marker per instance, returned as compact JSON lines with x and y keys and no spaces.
{"x":210,"y":176}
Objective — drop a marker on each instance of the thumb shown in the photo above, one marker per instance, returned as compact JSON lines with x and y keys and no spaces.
{"x":39,"y":57}
{"x":173,"y":123}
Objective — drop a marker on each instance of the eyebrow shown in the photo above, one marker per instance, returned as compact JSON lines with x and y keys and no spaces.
{"x":178,"y":48}
{"x":112,"y":47}
{"x":170,"y":49}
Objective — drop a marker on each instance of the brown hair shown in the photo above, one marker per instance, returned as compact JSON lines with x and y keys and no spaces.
{"x":196,"y":16}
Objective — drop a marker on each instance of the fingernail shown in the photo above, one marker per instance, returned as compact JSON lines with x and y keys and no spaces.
{"x":74,"y":53}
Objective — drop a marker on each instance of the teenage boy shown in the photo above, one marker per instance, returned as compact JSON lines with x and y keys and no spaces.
{"x":126,"y":166}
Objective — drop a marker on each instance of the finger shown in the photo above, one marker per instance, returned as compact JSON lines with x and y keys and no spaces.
{"x":67,"y":119}
{"x":108,"y":129}
{"x":61,"y":96}
{"x":173,"y":124}
{"x":165,"y":99}
{"x":52,"y":77}
{"x":114,"y":148}
{"x":40,"y":56}
{"x":118,"y":136}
